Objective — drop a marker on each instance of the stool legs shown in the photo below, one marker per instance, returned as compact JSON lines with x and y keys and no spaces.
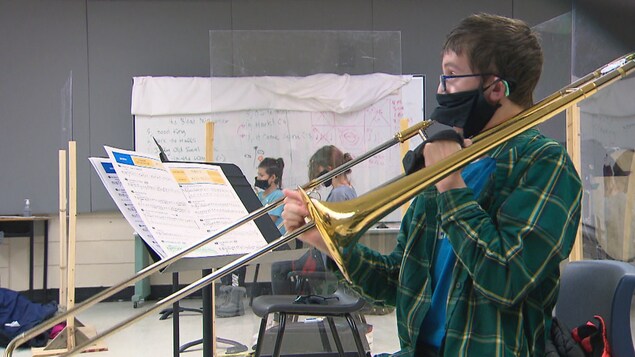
{"x":278,"y":345}
{"x":358,"y":340}
{"x":261,"y":335}
{"x":336,"y":336}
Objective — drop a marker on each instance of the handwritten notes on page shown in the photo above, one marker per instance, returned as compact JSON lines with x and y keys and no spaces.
{"x":179,"y":204}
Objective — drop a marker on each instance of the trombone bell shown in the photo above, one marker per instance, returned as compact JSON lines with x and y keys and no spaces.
{"x":341,"y":224}
{"x":326,"y":223}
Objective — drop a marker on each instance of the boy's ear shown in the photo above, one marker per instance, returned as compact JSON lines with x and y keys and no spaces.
{"x":500,"y":89}
{"x":506,"y":87}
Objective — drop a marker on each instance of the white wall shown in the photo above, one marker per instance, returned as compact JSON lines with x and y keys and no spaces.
{"x":104,"y":255}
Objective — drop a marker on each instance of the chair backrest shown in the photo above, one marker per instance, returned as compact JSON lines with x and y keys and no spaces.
{"x":316,"y":283}
{"x":599,"y":287}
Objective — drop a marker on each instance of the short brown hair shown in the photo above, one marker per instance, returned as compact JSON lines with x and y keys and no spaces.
{"x":506,"y":47}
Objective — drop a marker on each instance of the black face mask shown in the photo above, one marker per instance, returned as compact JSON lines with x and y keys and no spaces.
{"x":468,"y":110}
{"x":262,"y":184}
{"x":328,"y":182}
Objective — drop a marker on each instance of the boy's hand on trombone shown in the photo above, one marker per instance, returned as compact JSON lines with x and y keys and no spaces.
{"x":294,"y":216}
{"x":437,"y":151}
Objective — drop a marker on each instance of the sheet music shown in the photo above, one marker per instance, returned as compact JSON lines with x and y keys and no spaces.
{"x":109,"y":178}
{"x":216,"y":205}
{"x":179,"y":204}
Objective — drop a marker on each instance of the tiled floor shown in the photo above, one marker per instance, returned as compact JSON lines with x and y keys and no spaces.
{"x":153,"y":337}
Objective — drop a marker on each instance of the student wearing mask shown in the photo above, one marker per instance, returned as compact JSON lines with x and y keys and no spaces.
{"x":323,"y":160}
{"x":269,"y":181}
{"x":475,"y":270}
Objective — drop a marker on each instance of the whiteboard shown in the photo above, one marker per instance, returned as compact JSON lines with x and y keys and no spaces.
{"x":245,"y":137}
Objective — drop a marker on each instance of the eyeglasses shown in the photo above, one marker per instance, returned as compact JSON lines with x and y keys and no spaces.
{"x":443,"y":78}
{"x":314,"y":299}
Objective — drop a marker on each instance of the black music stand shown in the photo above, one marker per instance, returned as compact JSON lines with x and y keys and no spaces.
{"x":269,"y":231}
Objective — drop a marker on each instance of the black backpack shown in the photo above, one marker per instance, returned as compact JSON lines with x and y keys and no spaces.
{"x":592,"y":338}
{"x":588,"y":340}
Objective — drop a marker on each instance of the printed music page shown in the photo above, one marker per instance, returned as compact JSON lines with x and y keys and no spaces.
{"x":109,"y":178}
{"x":217,"y":205}
{"x":179,"y":204}
{"x":160,"y":202}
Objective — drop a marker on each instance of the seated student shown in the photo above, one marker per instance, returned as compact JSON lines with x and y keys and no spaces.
{"x":326,"y":159}
{"x":323,"y":160}
{"x":475,"y":271}
{"x":269,"y":182}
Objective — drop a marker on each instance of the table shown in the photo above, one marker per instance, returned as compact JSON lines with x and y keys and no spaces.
{"x":19,"y":226}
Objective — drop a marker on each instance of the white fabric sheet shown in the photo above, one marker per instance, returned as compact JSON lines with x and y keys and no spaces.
{"x":155,"y":96}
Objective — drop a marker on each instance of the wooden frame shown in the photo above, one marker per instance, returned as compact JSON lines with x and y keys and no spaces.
{"x":75,"y":332}
{"x":573,"y":148}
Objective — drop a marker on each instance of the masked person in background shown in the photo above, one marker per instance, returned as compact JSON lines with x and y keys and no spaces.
{"x":475,"y":270}
{"x":268,"y":181}
{"x":322,"y":161}
{"x":326,"y":159}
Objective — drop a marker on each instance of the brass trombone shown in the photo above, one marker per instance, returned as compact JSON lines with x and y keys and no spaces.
{"x":342,"y":224}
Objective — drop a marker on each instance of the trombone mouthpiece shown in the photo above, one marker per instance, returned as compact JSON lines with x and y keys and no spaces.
{"x":413,"y":130}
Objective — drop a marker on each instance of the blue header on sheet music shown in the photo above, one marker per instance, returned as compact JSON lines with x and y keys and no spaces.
{"x":108,"y":167}
{"x":123,"y":158}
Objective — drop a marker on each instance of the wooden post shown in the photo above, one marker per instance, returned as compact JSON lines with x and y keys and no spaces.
{"x":209,"y":141}
{"x":573,"y":148}
{"x":628,"y":212}
{"x":72,"y":230}
{"x":63,"y":232}
{"x":209,"y":157}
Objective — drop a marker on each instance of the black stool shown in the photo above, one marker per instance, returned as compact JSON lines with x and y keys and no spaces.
{"x":339,"y":304}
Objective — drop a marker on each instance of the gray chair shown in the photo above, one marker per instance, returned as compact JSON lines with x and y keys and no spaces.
{"x":599,"y":287}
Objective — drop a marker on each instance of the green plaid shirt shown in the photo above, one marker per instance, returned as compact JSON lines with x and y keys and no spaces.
{"x":508,"y":244}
